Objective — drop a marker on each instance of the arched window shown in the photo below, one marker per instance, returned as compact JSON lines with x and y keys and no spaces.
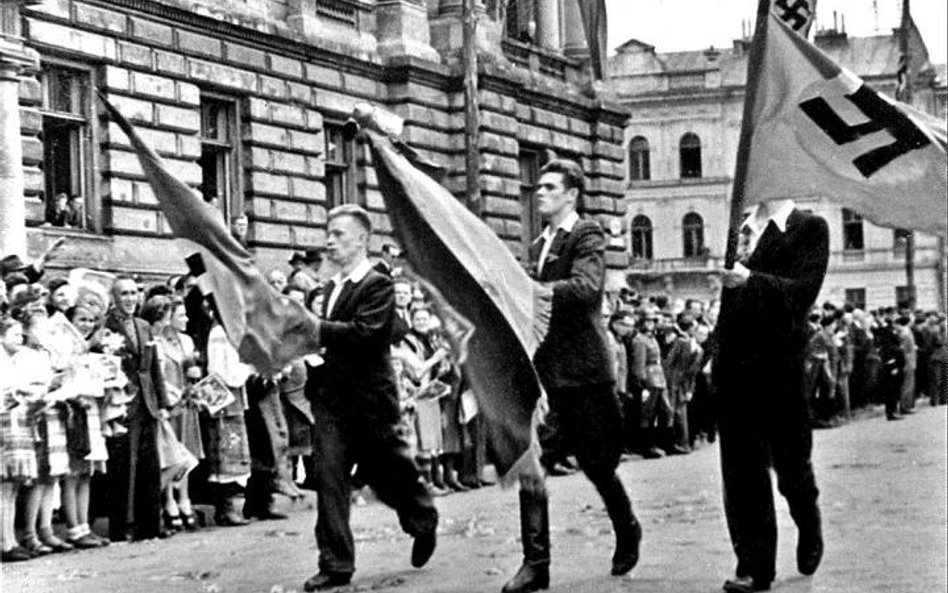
{"x":689,"y":151}
{"x":639,"y":169}
{"x":692,"y":230}
{"x":641,"y":237}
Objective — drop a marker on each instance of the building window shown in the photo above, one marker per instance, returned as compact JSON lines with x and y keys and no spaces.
{"x":520,"y":15}
{"x":220,"y":179}
{"x":852,"y":231}
{"x":641,"y":237}
{"x":689,"y":151}
{"x":530,"y":220}
{"x":341,"y":153}
{"x":856,"y":297}
{"x":639,"y":169}
{"x":692,"y":229}
{"x":67,"y":158}
{"x":904,"y":298}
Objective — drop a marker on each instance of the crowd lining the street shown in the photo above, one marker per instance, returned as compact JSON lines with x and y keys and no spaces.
{"x":108,"y":397}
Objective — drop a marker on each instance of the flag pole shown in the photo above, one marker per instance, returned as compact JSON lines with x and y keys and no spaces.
{"x":471,"y":109}
{"x":905,"y":95}
{"x":755,"y":61}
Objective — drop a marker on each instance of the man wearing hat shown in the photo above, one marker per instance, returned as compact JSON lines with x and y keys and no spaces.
{"x":32,"y":271}
{"x":305,"y":269}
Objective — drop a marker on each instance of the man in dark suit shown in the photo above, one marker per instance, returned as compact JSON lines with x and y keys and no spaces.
{"x":356,"y":410}
{"x":134,"y":472}
{"x":401,"y":325}
{"x":575,"y":368}
{"x":759,"y":375}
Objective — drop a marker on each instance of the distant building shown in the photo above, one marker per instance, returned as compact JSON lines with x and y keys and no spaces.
{"x":246,"y":100}
{"x":681,"y":145}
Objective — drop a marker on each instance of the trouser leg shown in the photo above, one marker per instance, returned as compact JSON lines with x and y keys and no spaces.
{"x":331,"y":469}
{"x":384,"y":455}
{"x":748,"y":501}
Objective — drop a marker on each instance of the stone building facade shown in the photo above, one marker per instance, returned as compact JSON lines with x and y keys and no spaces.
{"x":681,"y":145}
{"x":245,"y":100}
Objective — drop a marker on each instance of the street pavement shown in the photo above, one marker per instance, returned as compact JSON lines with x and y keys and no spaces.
{"x":883,"y":495}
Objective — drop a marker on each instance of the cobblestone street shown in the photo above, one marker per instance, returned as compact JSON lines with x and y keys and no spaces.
{"x":883,"y":498}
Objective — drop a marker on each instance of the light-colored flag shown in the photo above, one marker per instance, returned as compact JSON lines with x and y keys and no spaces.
{"x":819,"y":131}
{"x":268,"y":329}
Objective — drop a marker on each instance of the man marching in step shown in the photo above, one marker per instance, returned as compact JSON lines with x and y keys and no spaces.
{"x":759,"y":376}
{"x":574,"y":366}
{"x":356,"y":411}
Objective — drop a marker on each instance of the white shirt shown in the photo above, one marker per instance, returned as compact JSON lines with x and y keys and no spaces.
{"x":356,"y":275}
{"x":753,"y":227}
{"x":549,"y":233}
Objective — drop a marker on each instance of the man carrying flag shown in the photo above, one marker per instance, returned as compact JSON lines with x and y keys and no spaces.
{"x":810,"y":129}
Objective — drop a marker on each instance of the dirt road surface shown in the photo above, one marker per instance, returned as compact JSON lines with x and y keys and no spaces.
{"x":883,"y":498}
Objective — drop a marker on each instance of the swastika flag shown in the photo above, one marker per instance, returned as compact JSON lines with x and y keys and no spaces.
{"x":820,"y":131}
{"x":798,"y":14}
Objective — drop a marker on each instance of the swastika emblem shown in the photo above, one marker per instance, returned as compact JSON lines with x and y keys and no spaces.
{"x":796,"y":15}
{"x":883,"y":116}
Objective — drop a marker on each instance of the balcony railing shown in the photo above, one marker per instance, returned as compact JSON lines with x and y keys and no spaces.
{"x":538,"y":59}
{"x":677,"y":264}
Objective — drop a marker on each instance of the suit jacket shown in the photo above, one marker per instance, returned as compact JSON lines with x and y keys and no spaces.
{"x":141,"y":364}
{"x":356,"y":378}
{"x":575,"y":351}
{"x":762,"y":328}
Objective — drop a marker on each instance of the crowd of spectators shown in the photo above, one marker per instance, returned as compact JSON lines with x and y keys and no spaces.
{"x":126,"y":400}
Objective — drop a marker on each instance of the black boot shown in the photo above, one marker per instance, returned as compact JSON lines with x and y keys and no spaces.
{"x":627,"y":528}
{"x":225,"y":515}
{"x":534,"y":574}
{"x":809,"y":541}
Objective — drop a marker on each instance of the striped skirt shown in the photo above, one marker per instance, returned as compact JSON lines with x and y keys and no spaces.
{"x":52,"y":455}
{"x":17,"y":453}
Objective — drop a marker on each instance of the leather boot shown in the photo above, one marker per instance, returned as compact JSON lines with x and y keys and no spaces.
{"x":534,"y":573}
{"x":627,"y":528}
{"x":225,"y":515}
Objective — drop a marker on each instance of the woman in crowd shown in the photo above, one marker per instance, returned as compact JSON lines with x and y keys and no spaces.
{"x":181,"y":372}
{"x":226,"y":447}
{"x":16,"y":439}
{"x":87,"y":451}
{"x":35,"y":368}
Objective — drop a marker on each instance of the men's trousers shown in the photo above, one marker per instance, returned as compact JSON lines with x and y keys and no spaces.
{"x":748,"y":449}
{"x":381,"y":451}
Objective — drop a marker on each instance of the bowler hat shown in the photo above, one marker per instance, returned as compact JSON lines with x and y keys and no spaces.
{"x":297,"y":257}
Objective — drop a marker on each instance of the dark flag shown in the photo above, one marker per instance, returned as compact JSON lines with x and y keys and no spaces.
{"x":268,"y":329}
{"x":597,"y":37}
{"x":478,"y":276}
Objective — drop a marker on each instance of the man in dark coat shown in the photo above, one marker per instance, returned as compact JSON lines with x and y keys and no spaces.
{"x":575,"y":367}
{"x":759,"y":375}
{"x":134,"y":473}
{"x":356,"y":411}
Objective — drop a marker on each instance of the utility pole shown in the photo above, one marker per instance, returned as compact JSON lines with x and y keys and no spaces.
{"x":904,"y":93}
{"x":472,"y":114}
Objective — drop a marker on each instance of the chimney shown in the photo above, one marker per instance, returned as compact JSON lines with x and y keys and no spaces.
{"x":712,"y":54}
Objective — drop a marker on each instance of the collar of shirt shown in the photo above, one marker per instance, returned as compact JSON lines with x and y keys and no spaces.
{"x":778,"y":215}
{"x":356,"y":275}
{"x":567,"y":225}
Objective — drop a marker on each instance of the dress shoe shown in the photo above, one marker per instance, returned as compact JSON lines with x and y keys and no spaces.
{"x":189,"y":521}
{"x":451,"y":481}
{"x":809,"y":552}
{"x":36,"y":547}
{"x":530,"y":577}
{"x":57,"y":545}
{"x":264,"y":514}
{"x":653,"y":453}
{"x":626,"y":555}
{"x":85,"y":542}
{"x":422,"y":548}
{"x":471,"y":484}
{"x":679,"y":450}
{"x":323,"y":581}
{"x":745,"y":585}
{"x":894,"y":417}
{"x":229,"y":519}
{"x":16,"y":554}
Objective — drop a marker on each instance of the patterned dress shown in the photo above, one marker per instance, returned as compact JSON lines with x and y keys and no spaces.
{"x":52,"y":456}
{"x":17,"y":455}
